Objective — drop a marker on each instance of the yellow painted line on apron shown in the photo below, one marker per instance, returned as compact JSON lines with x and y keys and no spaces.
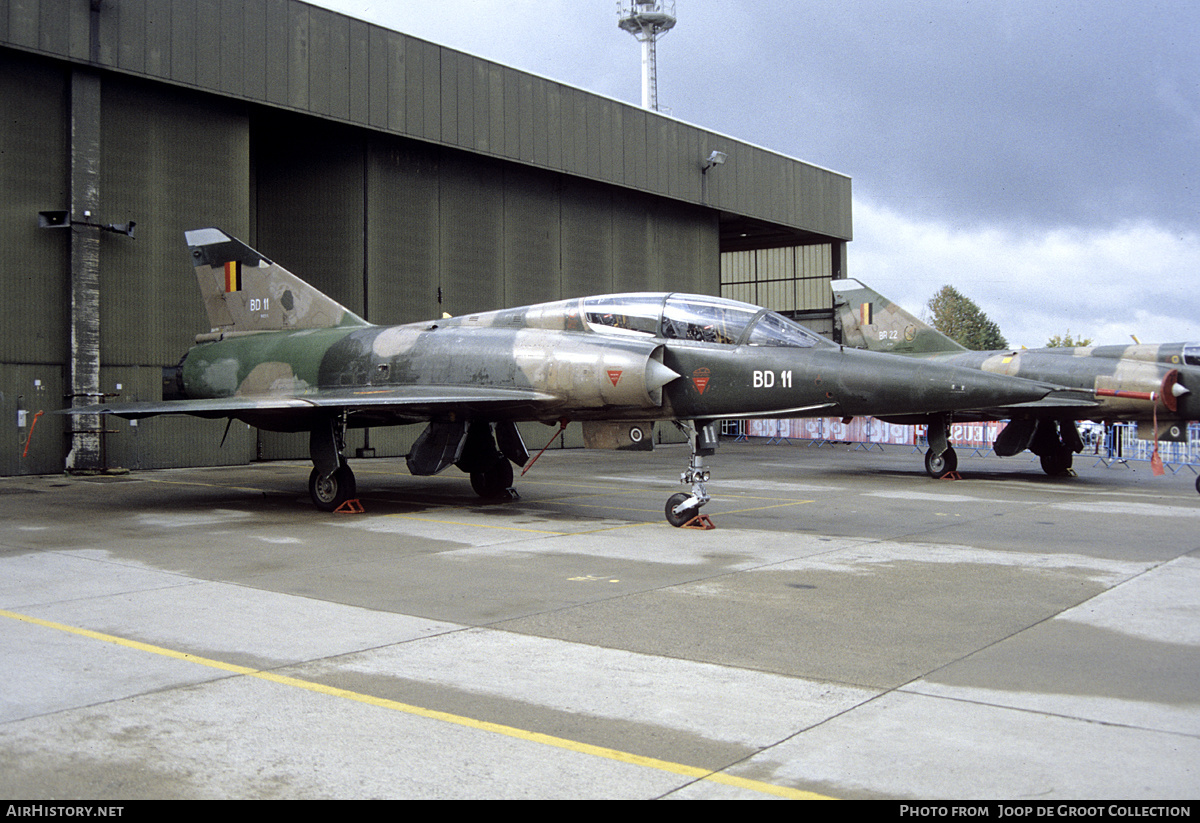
{"x":773,"y":506}
{"x":431,"y":714}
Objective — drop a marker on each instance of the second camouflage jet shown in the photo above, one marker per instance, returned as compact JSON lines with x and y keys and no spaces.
{"x":282,"y":356}
{"x":1143,"y":383}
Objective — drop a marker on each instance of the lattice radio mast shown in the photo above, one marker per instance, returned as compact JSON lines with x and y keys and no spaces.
{"x":647,"y":21}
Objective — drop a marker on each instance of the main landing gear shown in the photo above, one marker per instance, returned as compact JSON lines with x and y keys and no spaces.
{"x":1055,"y":442}
{"x":330,"y":492}
{"x":683,"y":508}
{"x":331,"y":483}
{"x":485,"y":451}
{"x":941,"y":459}
{"x":940,"y":465}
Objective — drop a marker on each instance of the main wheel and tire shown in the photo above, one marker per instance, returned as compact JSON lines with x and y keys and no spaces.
{"x":494,"y":481}
{"x":330,"y":492}
{"x":940,"y":465}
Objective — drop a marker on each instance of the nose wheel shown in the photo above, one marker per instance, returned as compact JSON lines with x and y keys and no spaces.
{"x":683,"y":508}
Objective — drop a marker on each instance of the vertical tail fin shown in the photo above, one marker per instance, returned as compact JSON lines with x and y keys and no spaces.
{"x":244,"y":291}
{"x":873,"y":322}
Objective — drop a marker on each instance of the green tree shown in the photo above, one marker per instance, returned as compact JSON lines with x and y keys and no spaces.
{"x":959,"y":318}
{"x":1066,"y":341}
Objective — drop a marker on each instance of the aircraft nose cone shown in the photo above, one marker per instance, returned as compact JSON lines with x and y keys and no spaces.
{"x":658,"y":375}
{"x":883,"y":384}
{"x":970,"y":389}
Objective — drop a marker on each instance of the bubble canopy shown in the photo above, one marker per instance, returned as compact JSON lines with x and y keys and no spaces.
{"x":695,"y":317}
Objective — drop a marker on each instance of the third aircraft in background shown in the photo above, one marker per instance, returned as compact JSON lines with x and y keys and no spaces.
{"x":1149,"y":384}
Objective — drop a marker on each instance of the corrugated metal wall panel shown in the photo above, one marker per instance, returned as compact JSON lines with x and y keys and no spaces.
{"x":298,"y":56}
{"x":575,"y":130}
{"x":450,"y":112}
{"x":358,"y":87}
{"x":472,"y":253}
{"x":321,"y":63}
{"x":545,"y":107}
{"x":552,"y":120}
{"x":54,"y":31}
{"x":635,"y":160}
{"x":403,"y":232}
{"x":276,"y":47}
{"x":181,"y":65}
{"x":737,"y":268}
{"x":633,"y":258}
{"x":497,"y":133}
{"x":254,"y":52}
{"x":150,"y":140}
{"x":611,"y":142}
{"x":511,"y":114}
{"x":310,"y":204}
{"x":35,"y":170}
{"x":31,"y":388}
{"x":746,"y":292}
{"x":233,"y":31}
{"x":793,"y":278}
{"x":587,"y":239}
{"x":687,"y":249}
{"x":525,"y":128}
{"x":532,"y":248}
{"x":209,"y":55}
{"x":423,"y":86}
{"x":385,"y":56}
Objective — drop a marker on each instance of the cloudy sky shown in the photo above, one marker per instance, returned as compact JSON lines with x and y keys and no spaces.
{"x":1043,"y":157}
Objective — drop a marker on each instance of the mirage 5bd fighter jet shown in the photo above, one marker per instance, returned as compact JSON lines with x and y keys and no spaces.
{"x":1143,"y":383}
{"x":282,"y":356}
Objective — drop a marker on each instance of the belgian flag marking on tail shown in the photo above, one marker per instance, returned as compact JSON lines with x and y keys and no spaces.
{"x":233,"y":276}
{"x":866,"y":314}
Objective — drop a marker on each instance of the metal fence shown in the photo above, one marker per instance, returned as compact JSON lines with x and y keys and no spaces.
{"x":1112,"y":445}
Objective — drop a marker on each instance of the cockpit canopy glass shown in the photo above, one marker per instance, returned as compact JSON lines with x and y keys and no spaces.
{"x":694,"y":317}
{"x":1191,"y":354}
{"x":617,"y":313}
{"x":711,"y":320}
{"x":775,"y":330}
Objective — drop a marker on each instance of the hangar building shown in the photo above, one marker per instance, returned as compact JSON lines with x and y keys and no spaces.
{"x":401,"y":177}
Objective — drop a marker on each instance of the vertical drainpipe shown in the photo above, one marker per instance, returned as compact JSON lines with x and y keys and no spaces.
{"x":85,"y":453}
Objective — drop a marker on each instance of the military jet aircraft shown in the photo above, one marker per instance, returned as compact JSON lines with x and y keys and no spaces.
{"x":282,"y":356}
{"x":1143,"y":383}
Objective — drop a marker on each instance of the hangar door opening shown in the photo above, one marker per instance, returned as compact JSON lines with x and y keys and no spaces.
{"x":792,"y":280}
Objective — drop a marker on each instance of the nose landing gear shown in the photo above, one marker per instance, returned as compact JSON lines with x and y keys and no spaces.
{"x":683,"y":510}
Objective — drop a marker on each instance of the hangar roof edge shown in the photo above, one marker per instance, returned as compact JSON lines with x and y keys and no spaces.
{"x":291,"y":55}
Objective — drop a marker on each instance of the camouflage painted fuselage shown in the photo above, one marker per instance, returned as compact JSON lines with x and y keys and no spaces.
{"x":620,"y":357}
{"x":1148,"y":383}
{"x":1129,"y":382}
